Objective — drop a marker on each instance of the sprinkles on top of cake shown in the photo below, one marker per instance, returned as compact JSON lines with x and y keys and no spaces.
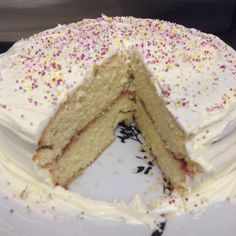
{"x":192,"y":70}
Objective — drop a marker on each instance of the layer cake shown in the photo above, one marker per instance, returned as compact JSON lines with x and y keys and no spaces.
{"x":63,"y":92}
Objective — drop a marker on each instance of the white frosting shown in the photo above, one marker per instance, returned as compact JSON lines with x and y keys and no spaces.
{"x":58,"y":202}
{"x":193,"y":72}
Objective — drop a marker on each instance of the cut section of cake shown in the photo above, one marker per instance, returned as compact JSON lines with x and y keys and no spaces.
{"x":63,"y":92}
{"x":105,"y":85}
{"x":89,"y":142}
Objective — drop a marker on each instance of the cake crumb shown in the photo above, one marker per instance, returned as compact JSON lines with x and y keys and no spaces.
{"x":120,"y":160}
{"x":28,"y":209}
{"x":23,"y":195}
{"x":170,"y":216}
{"x":153,"y":188}
{"x":115,"y":172}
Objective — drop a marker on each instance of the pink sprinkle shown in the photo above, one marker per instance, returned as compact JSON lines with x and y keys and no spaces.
{"x":82,"y":56}
{"x":11,"y":211}
{"x":59,"y":81}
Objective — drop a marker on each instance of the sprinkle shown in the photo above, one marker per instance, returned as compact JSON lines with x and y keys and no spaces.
{"x":11,"y":211}
{"x":45,"y":60}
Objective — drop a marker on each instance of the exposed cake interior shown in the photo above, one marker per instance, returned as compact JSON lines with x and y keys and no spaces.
{"x":84,"y":126}
{"x":104,"y":85}
{"x":88,"y":144}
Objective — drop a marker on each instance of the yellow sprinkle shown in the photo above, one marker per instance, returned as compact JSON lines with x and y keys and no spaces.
{"x":175,"y":31}
{"x":177,"y":105}
{"x":109,"y":19}
{"x":29,"y":88}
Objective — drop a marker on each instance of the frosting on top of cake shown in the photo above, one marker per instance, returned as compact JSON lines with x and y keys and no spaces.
{"x":193,"y":72}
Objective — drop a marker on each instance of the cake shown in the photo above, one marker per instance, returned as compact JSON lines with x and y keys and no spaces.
{"x":64,"y":91}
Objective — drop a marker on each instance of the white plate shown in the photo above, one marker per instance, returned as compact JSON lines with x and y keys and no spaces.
{"x":114,"y":176}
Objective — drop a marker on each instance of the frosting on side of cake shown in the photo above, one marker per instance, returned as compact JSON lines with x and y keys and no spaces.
{"x":34,"y":193}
